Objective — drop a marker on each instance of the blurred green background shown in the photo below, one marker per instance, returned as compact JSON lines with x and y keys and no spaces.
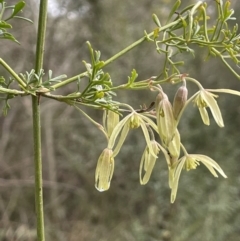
{"x":206,"y":208}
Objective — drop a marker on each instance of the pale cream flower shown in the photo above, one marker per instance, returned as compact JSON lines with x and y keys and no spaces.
{"x":206,"y":99}
{"x":104,"y":170}
{"x":131,"y":121}
{"x":105,"y":166}
{"x":147,"y":162}
{"x":189,"y":162}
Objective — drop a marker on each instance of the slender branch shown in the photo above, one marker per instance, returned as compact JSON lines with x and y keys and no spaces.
{"x":36,"y":122}
{"x":119,"y":54}
{"x":11,"y":71}
{"x":11,"y":91}
{"x":68,"y":81}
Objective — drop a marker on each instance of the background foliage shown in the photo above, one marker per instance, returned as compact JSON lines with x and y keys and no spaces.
{"x":205,"y":209}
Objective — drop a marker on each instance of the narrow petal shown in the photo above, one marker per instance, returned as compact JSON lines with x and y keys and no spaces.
{"x":176,"y":176}
{"x":146,"y":166}
{"x":112,"y":119}
{"x":212,"y":104}
{"x":122,"y":138}
{"x":150,"y":122}
{"x":151,"y":164}
{"x":142,"y":164}
{"x":147,"y":137}
{"x":204,"y":115}
{"x":117,"y":130}
{"x":207,"y":161}
{"x":174,"y":145}
{"x":228,"y":91}
{"x":148,"y":162}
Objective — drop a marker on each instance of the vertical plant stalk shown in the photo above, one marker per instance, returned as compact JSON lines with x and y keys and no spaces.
{"x":37,"y":124}
{"x":38,"y":169}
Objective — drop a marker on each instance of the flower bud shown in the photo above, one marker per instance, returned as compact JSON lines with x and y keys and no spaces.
{"x":179,"y":100}
{"x":165,"y":119}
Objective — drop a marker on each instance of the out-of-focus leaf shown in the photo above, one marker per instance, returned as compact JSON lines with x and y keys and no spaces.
{"x":156,"y":20}
{"x":174,"y":9}
{"x":3,"y":24}
{"x":17,"y":8}
{"x":26,"y":19}
{"x":8,"y":36}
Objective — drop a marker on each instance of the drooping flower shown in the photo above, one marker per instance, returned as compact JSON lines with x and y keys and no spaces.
{"x":206,"y":99}
{"x":189,"y":162}
{"x":104,"y":170}
{"x":105,"y":166}
{"x":131,"y":121}
{"x":147,"y":162}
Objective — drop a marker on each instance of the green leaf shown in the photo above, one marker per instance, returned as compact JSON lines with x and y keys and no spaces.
{"x":8,"y":36}
{"x":58,"y":78}
{"x":26,"y":19}
{"x":3,"y":24}
{"x":17,"y":8}
{"x":156,"y":20}
{"x":99,"y":65}
{"x":133,"y":77}
{"x":174,"y":9}
{"x":91,"y":53}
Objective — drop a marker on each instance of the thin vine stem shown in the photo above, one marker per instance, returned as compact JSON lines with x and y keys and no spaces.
{"x":119,"y":54}
{"x":37,"y":124}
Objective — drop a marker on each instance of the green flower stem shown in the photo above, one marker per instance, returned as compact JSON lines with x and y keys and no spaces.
{"x":194,"y":81}
{"x":100,"y":127}
{"x":36,"y":123}
{"x":11,"y":71}
{"x":119,"y":54}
